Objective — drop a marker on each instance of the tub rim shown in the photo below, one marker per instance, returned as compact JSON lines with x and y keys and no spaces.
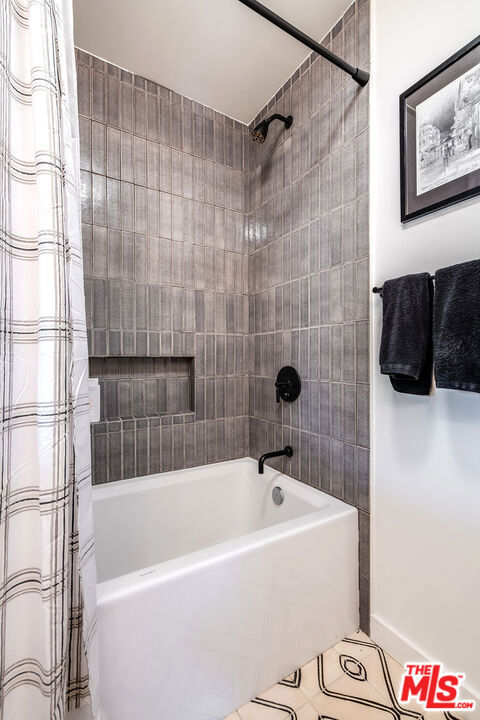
{"x":121,"y":586}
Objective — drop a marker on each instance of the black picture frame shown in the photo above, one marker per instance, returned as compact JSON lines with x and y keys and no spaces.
{"x":426,"y":166}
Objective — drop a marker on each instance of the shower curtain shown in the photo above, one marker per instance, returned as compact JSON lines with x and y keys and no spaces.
{"x":48,"y":632}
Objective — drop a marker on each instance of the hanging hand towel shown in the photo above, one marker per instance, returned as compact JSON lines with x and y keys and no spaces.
{"x":456,"y":327}
{"x":406,"y":346}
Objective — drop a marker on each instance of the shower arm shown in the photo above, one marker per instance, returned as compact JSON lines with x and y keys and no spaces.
{"x":360,"y":76}
{"x":287,"y":120}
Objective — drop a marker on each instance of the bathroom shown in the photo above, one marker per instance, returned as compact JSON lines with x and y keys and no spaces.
{"x":222,"y":497}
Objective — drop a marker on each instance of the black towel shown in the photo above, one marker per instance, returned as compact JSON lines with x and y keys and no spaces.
{"x":456,"y":327}
{"x":406,"y":348}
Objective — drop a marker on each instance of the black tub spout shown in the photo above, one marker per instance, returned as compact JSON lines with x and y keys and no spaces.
{"x":287,"y":450}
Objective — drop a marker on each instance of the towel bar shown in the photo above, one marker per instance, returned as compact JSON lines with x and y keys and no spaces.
{"x":379,"y":289}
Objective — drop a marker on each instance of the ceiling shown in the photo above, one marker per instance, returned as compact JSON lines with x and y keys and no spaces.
{"x":218,"y":52}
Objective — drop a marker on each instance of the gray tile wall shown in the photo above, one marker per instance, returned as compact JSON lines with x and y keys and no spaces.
{"x":307,"y":206}
{"x":135,"y":387}
{"x":175,"y":197}
{"x":165,"y":264}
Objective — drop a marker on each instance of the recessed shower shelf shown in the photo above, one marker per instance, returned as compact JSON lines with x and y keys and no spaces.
{"x":143,"y":387}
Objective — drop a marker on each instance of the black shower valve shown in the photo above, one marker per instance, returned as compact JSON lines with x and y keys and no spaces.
{"x":288,"y":384}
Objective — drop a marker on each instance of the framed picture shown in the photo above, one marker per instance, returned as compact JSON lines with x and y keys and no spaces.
{"x":440,"y":136}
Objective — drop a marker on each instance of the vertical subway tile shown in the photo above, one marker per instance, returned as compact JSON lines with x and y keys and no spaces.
{"x":365,"y":604}
{"x":98,"y":96}
{"x":336,"y":352}
{"x":363,"y":478}
{"x":85,"y":127}
{"x":362,"y":351}
{"x":100,"y":253}
{"x":348,"y":232}
{"x":349,"y":473}
{"x":153,"y":120}
{"x":127,"y":200}
{"x":349,"y":413}
{"x":126,"y":106}
{"x":361,"y":227}
{"x":115,"y":268}
{"x":336,"y":121}
{"x":153,"y":165}
{"x":139,"y":116}
{"x":99,"y":460}
{"x":336,"y":237}
{"x":337,"y":469}
{"x":337,"y":410}
{"x":362,"y":163}
{"x":165,"y":177}
{"x":364,"y":542}
{"x":363,"y":415}
{"x":83,"y":89}
{"x":113,"y":203}
{"x":87,"y":249}
{"x":362,"y":290}
{"x":167,"y":447}
{"x":126,"y":157}
{"x":363,"y":35}
{"x":349,"y":342}
{"x":348,"y":283}
{"x":336,"y":179}
{"x":164,"y":121}
{"x":113,"y":152}
{"x":140,"y":161}
{"x":349,"y":172}
{"x":86,"y":196}
{"x":113,"y":101}
{"x":99,"y":148}
{"x":99,"y":200}
{"x":336,"y":295}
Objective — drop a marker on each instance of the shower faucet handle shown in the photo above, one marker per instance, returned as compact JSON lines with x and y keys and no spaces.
{"x":288,"y":384}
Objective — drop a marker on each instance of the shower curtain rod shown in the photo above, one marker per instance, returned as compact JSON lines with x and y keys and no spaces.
{"x":360,"y":76}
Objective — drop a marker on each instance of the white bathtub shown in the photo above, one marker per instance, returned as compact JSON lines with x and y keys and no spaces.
{"x":209,"y":593}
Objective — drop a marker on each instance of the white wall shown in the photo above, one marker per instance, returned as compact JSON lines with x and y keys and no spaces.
{"x":426,"y":451}
{"x":217,"y":52}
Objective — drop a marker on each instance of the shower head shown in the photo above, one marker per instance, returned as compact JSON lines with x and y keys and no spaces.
{"x":259,"y":133}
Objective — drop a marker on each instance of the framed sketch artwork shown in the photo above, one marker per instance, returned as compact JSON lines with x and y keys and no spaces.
{"x":440,"y":136}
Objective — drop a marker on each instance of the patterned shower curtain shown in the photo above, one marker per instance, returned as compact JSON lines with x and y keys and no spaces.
{"x":48,"y":633}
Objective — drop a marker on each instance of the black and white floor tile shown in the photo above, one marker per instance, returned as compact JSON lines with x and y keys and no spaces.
{"x":354,"y":680}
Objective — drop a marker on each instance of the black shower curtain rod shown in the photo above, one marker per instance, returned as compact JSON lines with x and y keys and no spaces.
{"x":360,"y":76}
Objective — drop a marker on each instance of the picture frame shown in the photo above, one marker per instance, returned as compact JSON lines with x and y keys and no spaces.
{"x":440,"y":136}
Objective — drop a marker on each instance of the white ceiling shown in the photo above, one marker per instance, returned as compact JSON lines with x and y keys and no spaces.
{"x":218,"y":52}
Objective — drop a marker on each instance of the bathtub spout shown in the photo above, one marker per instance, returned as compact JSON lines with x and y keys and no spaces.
{"x":287,"y":450}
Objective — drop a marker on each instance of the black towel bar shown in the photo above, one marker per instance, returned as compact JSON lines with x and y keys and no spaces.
{"x":379,"y":289}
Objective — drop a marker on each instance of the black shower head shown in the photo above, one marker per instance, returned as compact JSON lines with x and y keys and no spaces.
{"x":259,"y":133}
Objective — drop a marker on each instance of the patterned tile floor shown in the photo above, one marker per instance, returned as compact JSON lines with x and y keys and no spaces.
{"x":354,"y":680}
